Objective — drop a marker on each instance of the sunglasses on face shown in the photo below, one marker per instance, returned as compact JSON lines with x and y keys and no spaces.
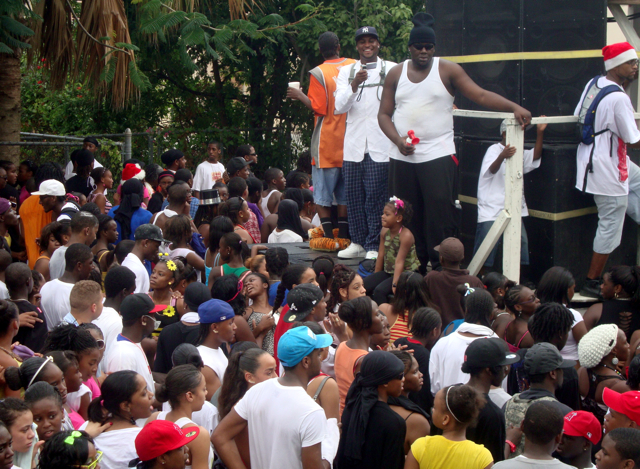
{"x":93,"y":464}
{"x":423,"y":46}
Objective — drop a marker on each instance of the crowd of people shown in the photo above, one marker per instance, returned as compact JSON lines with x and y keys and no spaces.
{"x":160,"y":322}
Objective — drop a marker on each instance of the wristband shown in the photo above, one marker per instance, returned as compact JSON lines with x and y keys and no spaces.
{"x":512,"y":447}
{"x":394,"y":285}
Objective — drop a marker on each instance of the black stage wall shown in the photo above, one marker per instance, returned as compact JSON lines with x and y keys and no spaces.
{"x":563,"y":220}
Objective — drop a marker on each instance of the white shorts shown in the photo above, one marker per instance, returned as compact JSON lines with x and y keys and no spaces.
{"x":611,"y":211}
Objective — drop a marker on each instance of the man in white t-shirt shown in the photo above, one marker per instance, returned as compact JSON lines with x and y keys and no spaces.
{"x":148,"y":239}
{"x":287,"y":429}
{"x":491,"y":191}
{"x":603,"y":168}
{"x":55,"y":294}
{"x":84,"y":228}
{"x":208,"y":172}
{"x":119,"y":283}
{"x":138,"y":321}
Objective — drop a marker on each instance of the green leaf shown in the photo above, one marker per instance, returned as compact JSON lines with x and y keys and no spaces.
{"x":5,"y":49}
{"x":15,"y":27}
{"x":194,"y":37}
{"x":127,"y":46}
{"x":139,"y":79}
{"x":306,"y":8}
{"x":109,"y":72}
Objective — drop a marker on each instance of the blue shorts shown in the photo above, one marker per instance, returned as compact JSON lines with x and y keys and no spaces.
{"x":328,"y":182}
{"x":481,"y":232}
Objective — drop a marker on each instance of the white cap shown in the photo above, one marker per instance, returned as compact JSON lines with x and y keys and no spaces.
{"x":51,"y":187}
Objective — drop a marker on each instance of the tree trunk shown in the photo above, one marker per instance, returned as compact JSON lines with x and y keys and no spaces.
{"x":10,"y":106}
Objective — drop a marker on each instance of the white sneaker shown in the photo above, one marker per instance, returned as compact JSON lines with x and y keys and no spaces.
{"x":371,"y":255}
{"x":353,"y":251}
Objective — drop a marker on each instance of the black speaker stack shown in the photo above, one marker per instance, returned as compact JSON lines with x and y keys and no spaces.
{"x":560,"y":229}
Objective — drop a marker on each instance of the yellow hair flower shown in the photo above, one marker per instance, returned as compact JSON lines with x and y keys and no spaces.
{"x":169,"y":312}
{"x":171,"y":266}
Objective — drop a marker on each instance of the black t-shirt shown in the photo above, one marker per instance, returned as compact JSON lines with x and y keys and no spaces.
{"x":490,"y":429}
{"x":79,"y":184}
{"x":8,"y":192}
{"x":155,"y":202}
{"x":423,"y":398}
{"x":170,"y":337}
{"x":31,"y":337}
{"x":384,"y":440}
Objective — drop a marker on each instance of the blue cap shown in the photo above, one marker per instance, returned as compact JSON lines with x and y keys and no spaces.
{"x":214,"y":311}
{"x":299,"y":342}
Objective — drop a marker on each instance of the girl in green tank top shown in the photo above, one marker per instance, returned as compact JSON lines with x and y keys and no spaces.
{"x":397,"y":251}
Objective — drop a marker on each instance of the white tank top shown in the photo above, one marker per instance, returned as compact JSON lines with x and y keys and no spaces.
{"x":182,"y":422}
{"x":265,"y":203}
{"x":427,"y":109}
{"x":214,"y":359}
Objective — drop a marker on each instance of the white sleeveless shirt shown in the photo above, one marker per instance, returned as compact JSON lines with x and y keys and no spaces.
{"x":427,"y":109}
{"x":214,"y":359}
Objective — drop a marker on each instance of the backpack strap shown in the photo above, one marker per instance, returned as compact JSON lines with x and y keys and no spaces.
{"x":383,"y":75}
{"x":319,"y":390}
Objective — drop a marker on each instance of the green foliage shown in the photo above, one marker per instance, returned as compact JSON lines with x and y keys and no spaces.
{"x":203,"y":77}
{"x":12,"y":30}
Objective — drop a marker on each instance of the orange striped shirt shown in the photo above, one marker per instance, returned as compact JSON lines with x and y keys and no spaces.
{"x":399,"y":329}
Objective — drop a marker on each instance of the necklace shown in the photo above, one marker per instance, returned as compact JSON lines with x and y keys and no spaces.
{"x":612,"y":369}
{"x":11,"y":354}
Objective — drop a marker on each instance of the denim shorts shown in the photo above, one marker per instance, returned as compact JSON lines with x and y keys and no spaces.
{"x":481,"y":232}
{"x":328,"y":182}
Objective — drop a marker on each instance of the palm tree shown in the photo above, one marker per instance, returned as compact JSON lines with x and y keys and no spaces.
{"x":102,"y":52}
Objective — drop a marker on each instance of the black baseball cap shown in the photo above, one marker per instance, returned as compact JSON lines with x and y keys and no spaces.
{"x":235,"y":164}
{"x":149,"y":231}
{"x":195,"y":294}
{"x":301,"y":300}
{"x":137,"y":305}
{"x":543,"y":358}
{"x":367,"y":31}
{"x":488,"y":353}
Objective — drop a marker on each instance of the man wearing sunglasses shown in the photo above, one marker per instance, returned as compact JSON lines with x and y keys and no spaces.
{"x":138,"y":321}
{"x":419,"y":95}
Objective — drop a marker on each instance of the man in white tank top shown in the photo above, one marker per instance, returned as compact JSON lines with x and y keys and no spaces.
{"x":365,"y":166}
{"x":418,"y":95}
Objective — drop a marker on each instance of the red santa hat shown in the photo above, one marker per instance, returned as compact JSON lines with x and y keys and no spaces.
{"x":132,"y":170}
{"x":617,"y":54}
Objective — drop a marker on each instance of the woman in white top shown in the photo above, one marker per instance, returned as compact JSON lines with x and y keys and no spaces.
{"x":178,"y":230}
{"x":216,"y":327}
{"x":247,"y":367}
{"x":557,"y":285}
{"x":17,"y":416}
{"x":186,"y":390}
{"x":289,"y":228}
{"x":125,"y":398}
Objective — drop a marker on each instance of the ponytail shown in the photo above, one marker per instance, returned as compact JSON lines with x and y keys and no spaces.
{"x":234,"y":385}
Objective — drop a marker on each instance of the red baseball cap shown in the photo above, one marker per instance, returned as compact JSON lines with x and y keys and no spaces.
{"x":162,"y":436}
{"x":584,"y":424}
{"x":627,"y":403}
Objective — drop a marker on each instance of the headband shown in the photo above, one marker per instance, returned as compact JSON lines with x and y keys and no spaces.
{"x":44,"y":363}
{"x":446,"y":400}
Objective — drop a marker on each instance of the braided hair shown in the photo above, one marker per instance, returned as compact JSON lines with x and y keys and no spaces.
{"x":424,"y":321}
{"x":549,"y":321}
{"x":512,"y":298}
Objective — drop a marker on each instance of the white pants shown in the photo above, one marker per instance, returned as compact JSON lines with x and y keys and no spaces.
{"x":611,"y":211}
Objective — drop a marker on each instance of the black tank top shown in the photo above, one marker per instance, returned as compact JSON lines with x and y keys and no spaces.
{"x":612,"y":313}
